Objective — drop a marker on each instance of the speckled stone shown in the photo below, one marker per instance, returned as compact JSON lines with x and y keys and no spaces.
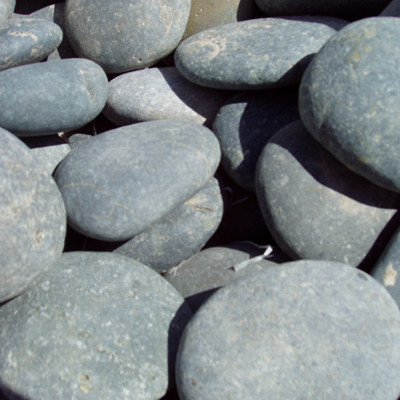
{"x":124,"y":35}
{"x":315,"y":207}
{"x":160,"y":93}
{"x":6,"y":10}
{"x":349,"y":99}
{"x":100,"y":326}
{"x":243,"y":126}
{"x":391,"y":10}
{"x":117,"y":184}
{"x":255,"y":54}
{"x":33,"y":225}
{"x":51,"y":97}
{"x":302,"y":330}
{"x":181,"y":233}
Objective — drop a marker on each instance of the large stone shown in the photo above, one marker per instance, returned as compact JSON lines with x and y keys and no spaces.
{"x":33,"y":220}
{"x":123,"y":35}
{"x":349,"y":99}
{"x":46,"y":98}
{"x":255,"y":54}
{"x":115,"y":185}
{"x":6,"y":10}
{"x":302,"y":330}
{"x":100,"y":326}
{"x":315,"y":207}
{"x":391,"y":10}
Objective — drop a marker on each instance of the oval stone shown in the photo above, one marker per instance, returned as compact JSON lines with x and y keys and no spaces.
{"x":51,"y":97}
{"x":302,"y":330}
{"x":33,"y":226}
{"x":124,"y":35}
{"x":255,"y":54}
{"x":107,"y":327}
{"x":349,"y":99}
{"x":6,"y":9}
{"x":115,"y":185}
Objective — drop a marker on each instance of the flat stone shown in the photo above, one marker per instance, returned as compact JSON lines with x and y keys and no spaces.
{"x":107,"y":326}
{"x":315,"y":207}
{"x":243,"y":126}
{"x":6,"y":10}
{"x":160,"y":93}
{"x":181,"y":233}
{"x":348,"y":99}
{"x":33,"y":225}
{"x":46,"y":98}
{"x":124,"y":36}
{"x":256,"y":54}
{"x":117,"y":184}
{"x":391,"y":10}
{"x":301,"y":330}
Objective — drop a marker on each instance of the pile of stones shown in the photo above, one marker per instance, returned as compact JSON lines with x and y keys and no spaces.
{"x":199,"y":199}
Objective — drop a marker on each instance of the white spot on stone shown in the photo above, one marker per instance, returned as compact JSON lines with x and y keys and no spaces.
{"x":390,"y":276}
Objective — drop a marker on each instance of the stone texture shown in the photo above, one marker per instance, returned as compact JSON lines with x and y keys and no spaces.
{"x":255,"y":54}
{"x":46,"y":98}
{"x":123,"y":35}
{"x":391,"y":10}
{"x":243,"y":126}
{"x":160,"y":93}
{"x":6,"y":10}
{"x":33,"y":218}
{"x":302,"y":330}
{"x":115,"y":185}
{"x":100,"y":326}
{"x":316,"y":208}
{"x":181,"y":233}
{"x":349,"y":99}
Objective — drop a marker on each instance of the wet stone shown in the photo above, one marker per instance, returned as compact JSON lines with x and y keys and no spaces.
{"x":6,"y":10}
{"x":315,"y":207}
{"x":107,"y":326}
{"x":256,"y":54}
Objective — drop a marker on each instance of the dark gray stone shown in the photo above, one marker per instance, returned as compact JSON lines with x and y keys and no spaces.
{"x":33,"y":220}
{"x":316,"y":208}
{"x":51,"y":97}
{"x":181,"y":233}
{"x":243,"y":126}
{"x":255,"y":54}
{"x":123,"y":35}
{"x":302,"y":330}
{"x":100,"y":326}
{"x":349,"y":99}
{"x":6,"y":10}
{"x":117,"y":184}
{"x":160,"y":93}
{"x":391,"y":10}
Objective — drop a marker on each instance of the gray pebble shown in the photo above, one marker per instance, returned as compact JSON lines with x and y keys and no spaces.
{"x":6,"y":10}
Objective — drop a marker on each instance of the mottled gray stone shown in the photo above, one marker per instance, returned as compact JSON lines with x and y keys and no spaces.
{"x":302,"y":330}
{"x":349,"y":98}
{"x":33,"y":220}
{"x":6,"y":10}
{"x":391,"y":10}
{"x":100,"y":326}
{"x":181,"y":233}
{"x":316,"y":208}
{"x":115,"y":185}
{"x":124,"y":35}
{"x":46,"y":98}
{"x":255,"y":54}
{"x":243,"y":126}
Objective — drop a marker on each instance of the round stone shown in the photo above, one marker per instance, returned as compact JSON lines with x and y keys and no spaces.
{"x":6,"y":9}
{"x":302,"y":330}
{"x":349,"y":99}
{"x":107,"y":327}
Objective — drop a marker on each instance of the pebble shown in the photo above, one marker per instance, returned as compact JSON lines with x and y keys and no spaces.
{"x":99,"y":326}
{"x":391,"y":10}
{"x":256,"y":54}
{"x":301,"y":330}
{"x":33,"y":225}
{"x":6,"y":10}
{"x":348,"y":99}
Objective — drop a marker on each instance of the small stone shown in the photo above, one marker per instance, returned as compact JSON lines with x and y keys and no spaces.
{"x":391,"y":10}
{"x":6,"y":10}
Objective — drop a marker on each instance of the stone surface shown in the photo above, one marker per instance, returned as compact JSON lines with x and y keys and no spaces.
{"x":243,"y":126}
{"x":302,"y":330}
{"x":100,"y":326}
{"x":6,"y":10}
{"x":349,"y":99}
{"x":160,"y":93}
{"x":391,"y":10}
{"x":124,"y":35}
{"x":45,"y":98}
{"x":181,"y":233}
{"x":255,"y":54}
{"x":33,"y":218}
{"x":115,"y":185}
{"x":316,"y":208}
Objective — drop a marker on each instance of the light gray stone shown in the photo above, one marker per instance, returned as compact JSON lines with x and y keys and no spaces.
{"x":391,"y":10}
{"x":6,"y":10}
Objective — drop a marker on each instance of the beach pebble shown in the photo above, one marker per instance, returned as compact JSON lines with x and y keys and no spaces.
{"x":6,"y":10}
